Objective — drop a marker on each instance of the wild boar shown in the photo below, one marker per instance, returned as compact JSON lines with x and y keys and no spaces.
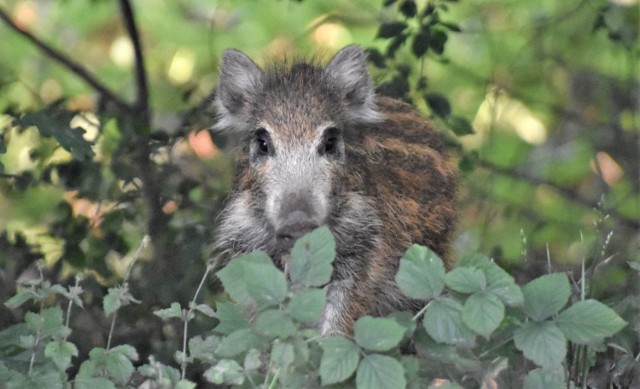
{"x":321,"y":148}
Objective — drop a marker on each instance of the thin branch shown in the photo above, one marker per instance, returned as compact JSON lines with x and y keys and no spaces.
{"x":142,"y":88}
{"x":62,"y":59}
{"x":564,"y":192}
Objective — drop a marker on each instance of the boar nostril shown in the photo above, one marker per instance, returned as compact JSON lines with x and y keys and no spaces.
{"x":296,"y":224}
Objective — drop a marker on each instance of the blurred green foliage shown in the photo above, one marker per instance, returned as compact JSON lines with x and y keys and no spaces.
{"x":551,"y":171}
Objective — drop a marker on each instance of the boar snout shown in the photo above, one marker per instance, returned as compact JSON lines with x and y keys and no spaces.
{"x":296,"y":224}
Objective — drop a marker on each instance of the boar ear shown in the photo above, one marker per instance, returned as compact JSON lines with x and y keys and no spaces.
{"x":348,"y":71}
{"x":239,"y":80}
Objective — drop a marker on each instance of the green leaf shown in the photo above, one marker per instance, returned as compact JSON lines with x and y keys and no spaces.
{"x":546,"y":295}
{"x":438,"y":104}
{"x":60,"y":352}
{"x":340,"y":358}
{"x":311,"y":258}
{"x":378,"y":333}
{"x":118,"y":363}
{"x":231,"y":318}
{"x":421,"y":42}
{"x":460,"y":126}
{"x":499,"y":282}
{"x":405,"y":319}
{"x":237,"y":342}
{"x":438,"y":40}
{"x":379,"y":372}
{"x":204,"y":349}
{"x":466,"y":280}
{"x":111,"y":301}
{"x":547,"y":378}
{"x":282,"y":354}
{"x":541,"y":342}
{"x":589,"y":321}
{"x":175,"y":310}
{"x":252,"y":360}
{"x":47,"y":323}
{"x":421,"y":273}
{"x":306,"y":305}
{"x":93,"y":383}
{"x":227,"y":372}
{"x":205,"y":310}
{"x":391,"y":29}
{"x":254,"y":278}
{"x":443,"y":322}
{"x":408,"y":8}
{"x":274,"y":323}
{"x":483,"y":312}
{"x":55,"y":121}
{"x":22,"y":295}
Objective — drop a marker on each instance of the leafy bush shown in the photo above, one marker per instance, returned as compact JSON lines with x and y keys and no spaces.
{"x":478,"y":322}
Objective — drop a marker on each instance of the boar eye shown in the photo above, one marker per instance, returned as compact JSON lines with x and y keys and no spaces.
{"x":331,"y":144}
{"x":263,"y":143}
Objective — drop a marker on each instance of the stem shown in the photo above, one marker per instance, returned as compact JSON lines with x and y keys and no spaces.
{"x":421,"y":312}
{"x":33,"y":353}
{"x":186,"y":320}
{"x":74,"y":67}
{"x":183,"y":364}
{"x":69,"y":307}
{"x":142,"y":89}
{"x":136,"y":255}
{"x":113,"y":324}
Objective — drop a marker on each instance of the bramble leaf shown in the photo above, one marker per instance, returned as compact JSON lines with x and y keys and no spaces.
{"x":421,"y":273}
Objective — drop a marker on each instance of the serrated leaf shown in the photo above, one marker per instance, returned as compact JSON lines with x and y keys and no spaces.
{"x":391,"y":29}
{"x":55,"y":121}
{"x":311,"y":258}
{"x":482,"y":313}
{"x":405,"y":319}
{"x":119,"y":366}
{"x":438,"y":40}
{"x":252,"y":360}
{"x":443,"y":322}
{"x":254,"y":278}
{"x":185,"y":384}
{"x":380,"y":372}
{"x":438,"y":104}
{"x":205,"y":310}
{"x":408,"y":8}
{"x":227,"y":372}
{"x":377,"y":333}
{"x":420,"y":43}
{"x":460,"y":126}
{"x":546,"y":295}
{"x":174,"y":311}
{"x":111,"y":301}
{"x":237,"y":342}
{"x":466,"y":280}
{"x":233,"y":280}
{"x":589,"y":321}
{"x":541,"y":342}
{"x":93,"y":383}
{"x":22,"y":295}
{"x":204,"y":349}
{"x":340,"y":358}
{"x":60,"y":352}
{"x":274,"y":323}
{"x":421,"y":273}
{"x":548,"y":378}
{"x":231,"y":318}
{"x":306,"y":305}
{"x":282,"y":354}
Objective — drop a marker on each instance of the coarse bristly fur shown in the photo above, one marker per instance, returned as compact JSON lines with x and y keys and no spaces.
{"x":321,"y":148}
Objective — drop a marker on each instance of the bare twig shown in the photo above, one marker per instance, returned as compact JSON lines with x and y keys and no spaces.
{"x":142,"y":88}
{"x":65,"y":61}
{"x":564,"y":192}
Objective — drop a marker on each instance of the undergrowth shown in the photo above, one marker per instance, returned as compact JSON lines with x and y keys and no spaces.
{"x":478,"y":329}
